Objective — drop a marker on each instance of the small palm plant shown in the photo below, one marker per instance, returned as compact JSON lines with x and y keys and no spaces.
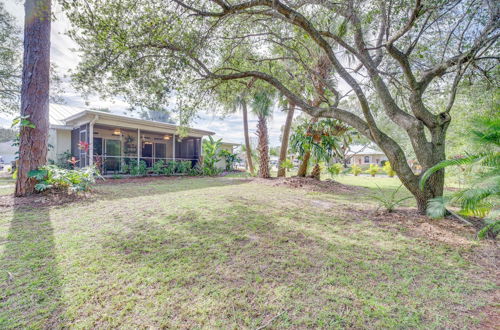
{"x":479,"y":199}
{"x":389,"y":201}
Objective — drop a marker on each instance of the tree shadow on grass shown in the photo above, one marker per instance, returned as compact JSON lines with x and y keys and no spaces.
{"x":30,"y":285}
{"x":139,"y":188}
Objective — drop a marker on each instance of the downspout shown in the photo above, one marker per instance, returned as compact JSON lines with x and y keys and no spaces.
{"x":91,"y":140}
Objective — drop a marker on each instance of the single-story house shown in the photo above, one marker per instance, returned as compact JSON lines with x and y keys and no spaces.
{"x":363,"y":155}
{"x":111,"y":140}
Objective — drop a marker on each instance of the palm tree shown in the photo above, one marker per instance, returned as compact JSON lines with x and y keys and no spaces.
{"x":285,"y":138}
{"x":240,"y":101}
{"x":477,"y":200}
{"x":262,"y":107}
{"x":320,"y":141}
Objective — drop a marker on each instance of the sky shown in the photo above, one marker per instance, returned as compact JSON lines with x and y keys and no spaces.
{"x":230,"y":129}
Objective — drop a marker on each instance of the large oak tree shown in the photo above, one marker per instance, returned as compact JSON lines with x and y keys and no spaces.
{"x":389,"y":59}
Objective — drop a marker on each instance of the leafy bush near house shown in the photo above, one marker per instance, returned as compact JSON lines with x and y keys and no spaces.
{"x":388,"y":169}
{"x":356,"y":170}
{"x":183,"y":166}
{"x":169,"y":168}
{"x":211,"y":156}
{"x":230,"y":159}
{"x":373,"y":169}
{"x":64,"y":160}
{"x":335,"y":169}
{"x":158,"y":167}
{"x":134,"y":169}
{"x":52,"y":177}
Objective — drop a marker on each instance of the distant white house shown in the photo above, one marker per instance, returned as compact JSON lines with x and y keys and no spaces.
{"x":363,"y":155}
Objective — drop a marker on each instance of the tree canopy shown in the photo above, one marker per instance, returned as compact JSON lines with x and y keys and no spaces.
{"x":389,"y":60}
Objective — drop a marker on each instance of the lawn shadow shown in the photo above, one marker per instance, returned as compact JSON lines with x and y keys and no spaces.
{"x":30,"y":287}
{"x":141,"y":187}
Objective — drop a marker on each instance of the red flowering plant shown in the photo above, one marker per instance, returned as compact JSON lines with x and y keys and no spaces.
{"x":82,"y":145}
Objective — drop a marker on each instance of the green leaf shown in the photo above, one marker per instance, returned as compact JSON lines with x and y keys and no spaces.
{"x":38,"y":174}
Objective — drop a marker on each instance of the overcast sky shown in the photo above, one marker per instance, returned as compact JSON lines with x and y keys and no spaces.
{"x":230,"y":128}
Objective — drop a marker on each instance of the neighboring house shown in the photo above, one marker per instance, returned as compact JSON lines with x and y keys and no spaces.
{"x":229,"y":147}
{"x":110,"y":141}
{"x":362,"y":155}
{"x":7,"y":152}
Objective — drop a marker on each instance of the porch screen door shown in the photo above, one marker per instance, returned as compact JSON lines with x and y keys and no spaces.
{"x":113,"y":153}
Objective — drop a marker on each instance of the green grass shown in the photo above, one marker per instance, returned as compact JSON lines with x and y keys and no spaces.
{"x":226,"y":253}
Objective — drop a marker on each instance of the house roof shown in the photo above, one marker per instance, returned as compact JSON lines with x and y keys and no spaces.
{"x":63,"y":115}
{"x":362,"y":150}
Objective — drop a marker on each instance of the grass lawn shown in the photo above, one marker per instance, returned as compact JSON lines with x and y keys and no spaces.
{"x":232,"y":253}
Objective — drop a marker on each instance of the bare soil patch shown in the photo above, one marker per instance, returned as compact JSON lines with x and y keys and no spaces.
{"x":42,"y":200}
{"x":311,"y":184}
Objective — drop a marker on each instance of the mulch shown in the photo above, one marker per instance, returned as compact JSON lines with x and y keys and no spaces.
{"x":311,"y":184}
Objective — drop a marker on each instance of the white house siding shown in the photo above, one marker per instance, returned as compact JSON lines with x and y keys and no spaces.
{"x":222,"y":163}
{"x":59,"y":141}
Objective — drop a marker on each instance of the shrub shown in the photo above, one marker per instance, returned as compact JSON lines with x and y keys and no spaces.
{"x":135,"y":169}
{"x":388,"y":169}
{"x":287,"y":164}
{"x":211,"y":156}
{"x":335,"y":169}
{"x":230,"y":158}
{"x":169,"y":168}
{"x":373,"y":169}
{"x":183,"y":166}
{"x":52,"y":177}
{"x":158,"y":167}
{"x":389,"y":202}
{"x":356,"y":170}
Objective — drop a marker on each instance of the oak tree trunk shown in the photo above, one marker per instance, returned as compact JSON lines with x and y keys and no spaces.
{"x":263,"y":148}
{"x":284,"y":140}
{"x":247,"y":138}
{"x":34,"y":93}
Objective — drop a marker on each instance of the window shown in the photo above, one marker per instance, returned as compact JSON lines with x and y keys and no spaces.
{"x":367,"y":159}
{"x":160,"y":150}
{"x":348,"y":161}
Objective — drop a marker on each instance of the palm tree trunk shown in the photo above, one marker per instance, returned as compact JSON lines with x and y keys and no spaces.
{"x":263,"y":148}
{"x":316,"y":172}
{"x":303,"y":165}
{"x":284,"y":140}
{"x":247,"y":138}
{"x":33,"y":141}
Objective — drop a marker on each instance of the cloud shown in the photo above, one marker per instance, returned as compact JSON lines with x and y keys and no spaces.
{"x":64,"y":56}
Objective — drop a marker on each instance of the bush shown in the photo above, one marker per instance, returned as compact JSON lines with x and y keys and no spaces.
{"x":356,"y":170}
{"x":230,"y":158}
{"x":135,"y":169}
{"x":169,"y":168}
{"x":373,"y":169}
{"x":183,"y":166}
{"x":388,"y":169}
{"x":52,"y":177}
{"x":287,"y":164}
{"x":158,"y":167}
{"x":335,"y":169}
